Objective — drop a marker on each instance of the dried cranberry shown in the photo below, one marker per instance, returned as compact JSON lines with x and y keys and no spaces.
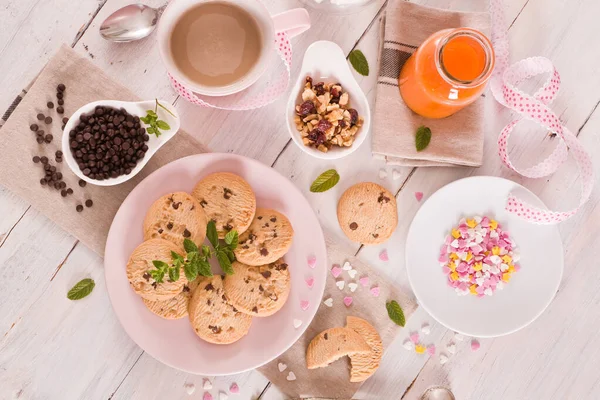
{"x":319,"y":88}
{"x":335,"y":95}
{"x":353,"y":116}
{"x":307,"y":108}
{"x":323,"y":125}
{"x":342,"y":123}
{"x":309,"y":80}
{"x":317,"y":137}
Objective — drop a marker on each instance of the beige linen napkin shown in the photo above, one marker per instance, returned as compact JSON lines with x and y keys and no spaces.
{"x":85,"y":83}
{"x":456,"y":140}
{"x":334,"y":380}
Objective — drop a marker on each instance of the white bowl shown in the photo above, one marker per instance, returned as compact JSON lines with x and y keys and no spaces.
{"x":343,"y":7}
{"x":136,"y":109}
{"x":326,"y":62}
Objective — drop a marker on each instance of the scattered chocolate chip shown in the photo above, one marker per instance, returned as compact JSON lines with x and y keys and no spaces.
{"x":61,"y":87}
{"x":43,"y":182}
{"x":60,"y":102}
{"x":208,"y":302}
{"x":160,"y":231}
{"x":36,"y":159}
{"x":176,"y":205}
{"x":203,"y":203}
{"x":259,"y":217}
{"x":63,"y":193}
{"x":215,"y":329}
{"x":186,"y":233}
{"x":79,"y":208}
{"x":354,"y":226}
{"x":41,"y":117}
{"x":59,"y":95}
{"x":209,"y":287}
{"x":154,"y":285}
{"x":146,"y":276}
{"x":264,"y":251}
{"x":82,"y":183}
{"x":266,"y":274}
{"x":375,"y":235}
{"x":69,"y":191}
{"x":261,"y":288}
{"x":227,"y":227}
{"x":273,"y":219}
{"x":186,"y":288}
{"x":245,"y":247}
{"x":60,"y":110}
{"x":48,"y":138}
{"x":326,"y":337}
{"x":170,"y":226}
{"x":34,"y":127}
{"x":44,"y":160}
{"x":383,"y":198}
{"x":65,"y":120}
{"x":89,"y":203}
{"x":254,"y":309}
{"x":50,"y":104}
{"x":48,"y":120}
{"x":227,"y":193}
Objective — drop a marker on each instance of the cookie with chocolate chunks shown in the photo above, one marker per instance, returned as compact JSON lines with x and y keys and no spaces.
{"x":267,"y":239}
{"x":175,"y":217}
{"x":213,"y":318}
{"x":260,"y":290}
{"x":367,"y":213}
{"x":228,"y":200}
{"x":176,"y":307}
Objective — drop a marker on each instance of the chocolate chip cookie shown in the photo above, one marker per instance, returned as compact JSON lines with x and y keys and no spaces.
{"x":367,"y":213}
{"x":228,"y":200}
{"x":333,"y":344}
{"x":267,"y":239}
{"x":261,"y":290}
{"x":175,"y":217}
{"x":140,"y":262}
{"x":176,"y":307}
{"x":213,"y":318}
{"x":364,"y":365}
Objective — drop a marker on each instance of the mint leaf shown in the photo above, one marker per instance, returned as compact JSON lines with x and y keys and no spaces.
{"x":160,"y":265}
{"x":211,"y":234}
{"x":189,"y":246}
{"x":174,"y":274}
{"x":325,"y":181}
{"x":395,"y":312}
{"x":359,"y":62}
{"x":150,"y":130}
{"x":204,"y":268}
{"x":162,"y":125}
{"x":422,"y":138}
{"x":81,"y":289}
{"x":190,"y":270}
{"x":232,"y":239}
{"x":229,"y":253}
{"x":205,"y":251}
{"x":224,"y":262}
{"x":157,"y":274}
{"x":151,"y":113}
{"x":176,"y":257}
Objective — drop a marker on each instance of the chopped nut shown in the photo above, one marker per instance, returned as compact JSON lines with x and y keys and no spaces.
{"x":344,"y":98}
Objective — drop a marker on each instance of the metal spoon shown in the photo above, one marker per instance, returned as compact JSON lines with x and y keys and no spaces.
{"x":132,"y":22}
{"x":437,"y":393}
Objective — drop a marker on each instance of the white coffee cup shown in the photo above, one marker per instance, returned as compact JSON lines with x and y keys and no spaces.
{"x":293,"y":22}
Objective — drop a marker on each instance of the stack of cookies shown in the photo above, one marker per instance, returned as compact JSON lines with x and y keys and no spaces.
{"x":220,"y":307}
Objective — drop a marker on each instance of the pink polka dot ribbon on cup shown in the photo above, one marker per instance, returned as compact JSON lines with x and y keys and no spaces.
{"x":287,"y":25}
{"x":504,"y":86}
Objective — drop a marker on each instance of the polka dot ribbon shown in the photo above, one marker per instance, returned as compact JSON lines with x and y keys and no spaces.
{"x":247,"y":102}
{"x":504,"y":86}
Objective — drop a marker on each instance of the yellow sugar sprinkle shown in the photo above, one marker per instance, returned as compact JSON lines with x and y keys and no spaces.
{"x":455,"y":233}
{"x":507,"y":259}
{"x":493,"y":224}
{"x":506,"y":277}
{"x":454,"y":276}
{"x":420,"y":349}
{"x":478,"y":266}
{"x":472,"y":289}
{"x":495,"y":250}
{"x":471,"y":223}
{"x":469,"y":256}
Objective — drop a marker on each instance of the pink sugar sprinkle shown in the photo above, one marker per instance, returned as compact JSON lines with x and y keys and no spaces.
{"x":462,"y":243}
{"x":234,"y":388}
{"x":485,"y":222}
{"x":443,"y":258}
{"x":446,"y":270}
{"x":480,"y":289}
{"x":431,"y":349}
{"x":336,"y":270}
{"x":517,"y":267}
{"x":471,"y":270}
{"x":450,"y":282}
{"x":463,"y":230}
{"x":414,"y":337}
{"x":448,"y":240}
{"x":364,"y":281}
{"x":347,"y":301}
{"x":310,"y":281}
{"x":312,"y":261}
{"x":463,"y":286}
{"x":462,"y":267}
{"x":304,"y":304}
{"x":419,"y":196}
{"x":383,"y":256}
{"x":475,"y":345}
{"x":207,"y":396}
{"x":375,"y":291}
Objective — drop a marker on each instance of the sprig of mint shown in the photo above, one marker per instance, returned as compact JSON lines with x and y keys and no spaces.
{"x":395,"y":312}
{"x":156,"y":124}
{"x":195,"y":263}
{"x":81,"y":289}
{"x":325,"y":181}
{"x":359,"y":62}
{"x":223,"y":252}
{"x":422,"y":138}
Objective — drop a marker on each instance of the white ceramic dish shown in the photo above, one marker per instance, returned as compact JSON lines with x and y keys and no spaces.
{"x":134,"y":108}
{"x":326,"y":62}
{"x":529,"y":291}
{"x":338,"y":7}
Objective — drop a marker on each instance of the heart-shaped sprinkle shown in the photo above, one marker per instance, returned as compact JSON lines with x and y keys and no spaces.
{"x":459,"y":337}
{"x":312,"y":261}
{"x":352,"y":273}
{"x":431,"y":349}
{"x":207,"y":396}
{"x":206,"y":384}
{"x":336,"y":271}
{"x":340,"y":284}
{"x":425,"y":328}
{"x":190,"y":388}
{"x":408,"y":345}
{"x":297,"y":323}
{"x":414,"y":337}
{"x":281,"y":366}
{"x":234,"y":388}
{"x":443,"y":359}
{"x":347,"y":266}
{"x":475,"y":345}
{"x":396,"y":174}
{"x":383,"y":256}
{"x":419,"y":196}
{"x":451,"y":347}
{"x":328,"y":302}
{"x":382,"y":173}
{"x":375,"y":291}
{"x":347,"y":301}
{"x":291,"y":376}
{"x":352,"y":286}
{"x":420,"y":349}
{"x":364,"y":281}
{"x":310,"y":282}
{"x":304,"y":305}
{"x":223,"y":396}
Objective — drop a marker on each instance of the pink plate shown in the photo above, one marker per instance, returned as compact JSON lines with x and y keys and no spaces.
{"x":174,"y":342}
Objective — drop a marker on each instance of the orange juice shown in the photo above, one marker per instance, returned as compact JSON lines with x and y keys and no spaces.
{"x":448,"y":72}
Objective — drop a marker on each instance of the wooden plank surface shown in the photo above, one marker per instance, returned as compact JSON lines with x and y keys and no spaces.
{"x":52,"y":348}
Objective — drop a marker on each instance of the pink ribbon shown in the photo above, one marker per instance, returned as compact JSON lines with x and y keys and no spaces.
{"x":504,"y":85}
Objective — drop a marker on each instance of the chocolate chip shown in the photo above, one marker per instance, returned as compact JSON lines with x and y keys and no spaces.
{"x":43,"y":182}
{"x":61,"y":87}
{"x":69,"y":191}
{"x":176,"y":205}
{"x":60,"y":110}
{"x":227,"y":227}
{"x":50,"y":104}
{"x":264,"y":251}
{"x":41,"y":117}
{"x":146,"y":276}
{"x":208,"y":302}
{"x":326,"y":337}
{"x":186,"y":288}
{"x":266,"y":274}
{"x":63,"y":193}
{"x":375,"y":235}
{"x":89,"y":203}
{"x":203,"y":203}
{"x":65,"y":120}
{"x":273,"y":219}
{"x":79,"y":208}
{"x":383,"y":198}
{"x":48,"y":138}
{"x":44,"y":160}
{"x":160,"y":231}
{"x":170,"y":226}
{"x":60,"y":102}
{"x":209,"y":287}
{"x":261,"y":288}
{"x":186,"y":234}
{"x":354,"y":226}
{"x":34,"y":127}
{"x":82,"y":183}
{"x":259,"y":217}
{"x":215,"y":329}
{"x":59,"y":95}
{"x":227,"y":193}
{"x":154,"y":285}
{"x":254,"y":309}
{"x":36,"y":159}
{"x":48,"y":120}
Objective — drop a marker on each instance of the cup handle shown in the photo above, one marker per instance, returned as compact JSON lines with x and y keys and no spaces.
{"x":293,"y":22}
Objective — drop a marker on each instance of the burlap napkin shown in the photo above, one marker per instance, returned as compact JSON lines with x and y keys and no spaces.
{"x":456,"y":140}
{"x":85,"y":83}
{"x":334,"y":380}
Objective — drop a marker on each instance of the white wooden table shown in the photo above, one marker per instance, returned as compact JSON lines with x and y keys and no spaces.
{"x":52,"y":348}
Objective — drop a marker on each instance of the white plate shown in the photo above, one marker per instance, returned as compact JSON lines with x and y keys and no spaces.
{"x":529,"y":291}
{"x":174,"y":342}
